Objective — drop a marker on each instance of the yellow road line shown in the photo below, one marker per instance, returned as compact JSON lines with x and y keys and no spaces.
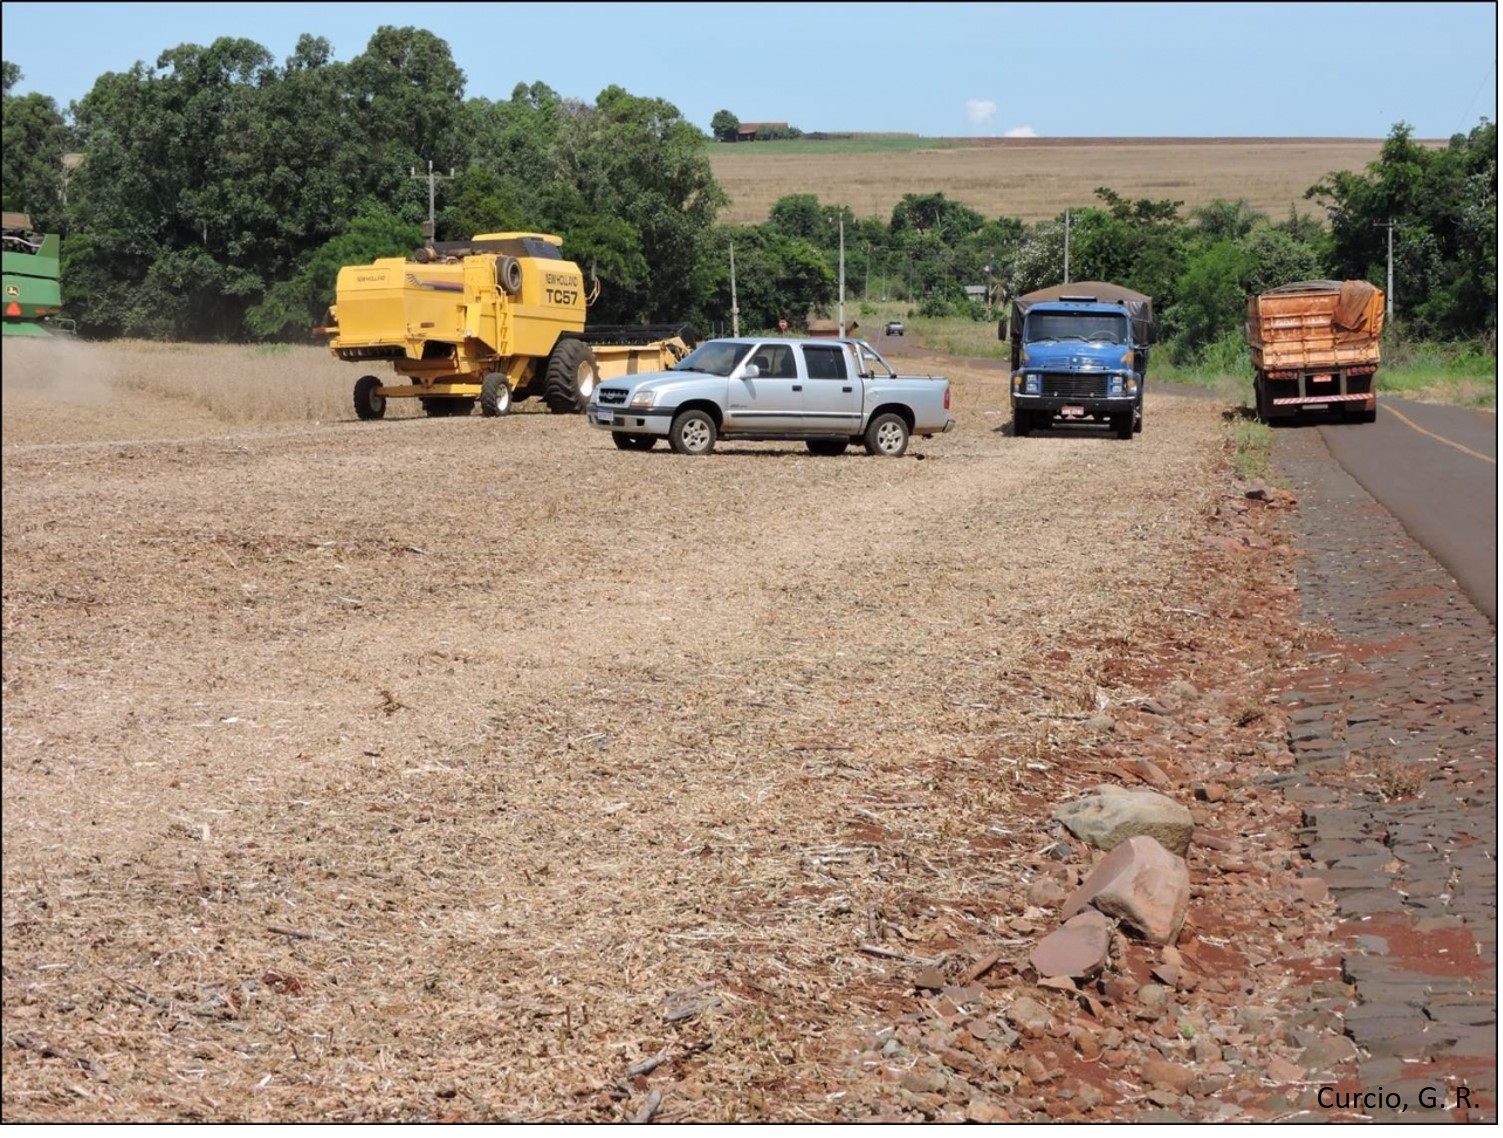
{"x":1438,"y":438}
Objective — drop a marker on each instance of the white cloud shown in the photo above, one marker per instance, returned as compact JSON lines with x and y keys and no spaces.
{"x":980,"y":111}
{"x":1021,"y":132}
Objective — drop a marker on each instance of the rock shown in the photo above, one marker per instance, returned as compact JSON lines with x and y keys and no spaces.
{"x":1152,"y":773}
{"x":1029,"y":1016}
{"x":1079,"y":949}
{"x":930,"y":978}
{"x":1100,"y":723}
{"x":1169,"y":1076}
{"x":1088,"y":1097}
{"x":1085,"y":1042}
{"x":925,"y":1080}
{"x":1329,"y":1052}
{"x":1034,"y":1068}
{"x":1046,"y":893}
{"x":1210,"y":792}
{"x":1141,"y":884}
{"x":1109,"y":815}
{"x":1282,"y":1071}
{"x":1153,"y":998}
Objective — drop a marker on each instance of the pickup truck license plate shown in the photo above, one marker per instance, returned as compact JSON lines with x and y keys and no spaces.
{"x":606,"y":418}
{"x":1072,"y":411}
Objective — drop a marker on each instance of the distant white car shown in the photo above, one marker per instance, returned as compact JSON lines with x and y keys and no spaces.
{"x":894,"y":328}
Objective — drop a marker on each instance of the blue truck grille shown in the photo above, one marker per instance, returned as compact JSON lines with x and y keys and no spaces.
{"x":614,"y":396}
{"x":1074,"y":386}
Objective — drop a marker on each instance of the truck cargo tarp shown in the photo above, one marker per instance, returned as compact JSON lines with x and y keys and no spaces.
{"x":1139,"y":307}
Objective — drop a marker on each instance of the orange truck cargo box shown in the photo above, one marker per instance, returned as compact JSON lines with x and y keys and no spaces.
{"x":1315,"y":346}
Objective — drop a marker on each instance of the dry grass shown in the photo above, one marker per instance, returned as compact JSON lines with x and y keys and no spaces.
{"x":1034,"y":179}
{"x":446,"y":769}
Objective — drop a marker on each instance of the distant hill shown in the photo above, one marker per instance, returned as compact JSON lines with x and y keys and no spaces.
{"x":1032,"y":178}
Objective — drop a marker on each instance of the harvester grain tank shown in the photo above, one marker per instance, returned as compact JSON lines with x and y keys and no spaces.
{"x":1315,"y":347}
{"x":493,"y":319}
{"x":33,"y":296}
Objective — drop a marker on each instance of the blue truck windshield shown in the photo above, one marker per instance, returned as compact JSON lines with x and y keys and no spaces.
{"x":1093,"y":327}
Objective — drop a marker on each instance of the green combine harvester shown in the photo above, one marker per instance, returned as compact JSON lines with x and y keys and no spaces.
{"x":33,"y":297}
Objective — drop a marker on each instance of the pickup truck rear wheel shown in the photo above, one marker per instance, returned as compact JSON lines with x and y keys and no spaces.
{"x":632,"y":442}
{"x":887,"y":435}
{"x":693,"y":432}
{"x":827,"y":448}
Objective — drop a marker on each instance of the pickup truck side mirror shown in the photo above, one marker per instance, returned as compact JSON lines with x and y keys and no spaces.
{"x":750,"y":371}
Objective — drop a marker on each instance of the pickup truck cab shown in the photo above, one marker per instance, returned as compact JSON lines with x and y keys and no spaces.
{"x":827,"y":393}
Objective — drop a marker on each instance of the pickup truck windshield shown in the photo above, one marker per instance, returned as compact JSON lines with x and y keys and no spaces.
{"x":714,"y":357}
{"x":1094,"y":327}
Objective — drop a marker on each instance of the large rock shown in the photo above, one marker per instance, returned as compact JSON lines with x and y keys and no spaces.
{"x":1109,"y":815}
{"x":1079,"y":949}
{"x":1143,"y":885}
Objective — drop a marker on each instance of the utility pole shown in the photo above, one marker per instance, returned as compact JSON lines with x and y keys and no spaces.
{"x":1067,"y":246}
{"x":842,"y":277}
{"x":430,"y":227}
{"x":735,"y":312}
{"x":866,"y":293}
{"x":1388,"y":225}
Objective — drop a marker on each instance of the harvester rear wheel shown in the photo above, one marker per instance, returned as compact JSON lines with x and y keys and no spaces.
{"x":495,"y":395}
{"x":570,"y":377}
{"x":369,"y":405}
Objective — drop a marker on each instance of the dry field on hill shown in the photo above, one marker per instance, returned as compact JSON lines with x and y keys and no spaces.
{"x":1034,"y":179}
{"x":461,"y":768}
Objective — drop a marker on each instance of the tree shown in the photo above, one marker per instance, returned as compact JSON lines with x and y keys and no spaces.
{"x":1211,"y":298}
{"x":724,"y":126}
{"x":35,"y":139}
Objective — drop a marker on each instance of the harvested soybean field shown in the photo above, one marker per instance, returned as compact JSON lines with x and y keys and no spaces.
{"x":1034,"y":179}
{"x":470,"y":769}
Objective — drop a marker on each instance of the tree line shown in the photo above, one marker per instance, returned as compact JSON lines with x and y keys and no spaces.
{"x":219,"y":192}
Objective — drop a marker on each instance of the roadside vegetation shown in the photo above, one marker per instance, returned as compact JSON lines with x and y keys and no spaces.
{"x":218,"y":193}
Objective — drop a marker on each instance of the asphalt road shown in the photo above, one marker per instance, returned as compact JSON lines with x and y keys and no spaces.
{"x":1435,"y":468}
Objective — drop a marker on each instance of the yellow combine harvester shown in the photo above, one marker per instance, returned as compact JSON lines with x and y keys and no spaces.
{"x":498,"y":318}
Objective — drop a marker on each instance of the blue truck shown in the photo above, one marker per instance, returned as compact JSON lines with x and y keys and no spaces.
{"x":1079,"y":354}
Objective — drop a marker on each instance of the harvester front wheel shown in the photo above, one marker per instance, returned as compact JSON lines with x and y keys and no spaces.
{"x":570,"y":377}
{"x":368,"y":404}
{"x":495,"y":395}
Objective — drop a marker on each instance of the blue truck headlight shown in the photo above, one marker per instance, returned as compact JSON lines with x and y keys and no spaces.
{"x":1031,"y":384}
{"x":643,"y":398}
{"x":1116,"y":385}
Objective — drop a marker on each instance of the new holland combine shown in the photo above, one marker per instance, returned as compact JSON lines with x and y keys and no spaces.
{"x":495,"y":319}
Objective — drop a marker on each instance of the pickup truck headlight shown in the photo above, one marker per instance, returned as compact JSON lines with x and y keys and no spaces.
{"x":643,"y":398}
{"x":1031,"y":384}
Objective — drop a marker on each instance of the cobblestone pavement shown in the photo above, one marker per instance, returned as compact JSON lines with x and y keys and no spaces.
{"x":1394,"y":727}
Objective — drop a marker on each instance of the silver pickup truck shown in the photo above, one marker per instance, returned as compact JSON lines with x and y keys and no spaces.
{"x":827,"y":393}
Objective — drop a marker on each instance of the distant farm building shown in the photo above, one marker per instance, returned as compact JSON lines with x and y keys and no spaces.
{"x":830,"y":329}
{"x":748,"y":131}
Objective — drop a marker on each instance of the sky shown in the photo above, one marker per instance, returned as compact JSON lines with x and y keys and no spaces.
{"x":938,"y":70}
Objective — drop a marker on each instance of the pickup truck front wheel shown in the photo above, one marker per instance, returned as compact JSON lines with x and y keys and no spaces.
{"x":693,"y":432}
{"x":887,"y":435}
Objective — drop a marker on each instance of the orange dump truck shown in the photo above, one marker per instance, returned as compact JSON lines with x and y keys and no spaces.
{"x":1315,"y":348}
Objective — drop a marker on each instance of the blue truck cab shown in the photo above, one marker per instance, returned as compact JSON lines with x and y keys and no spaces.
{"x":1079,"y":354}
